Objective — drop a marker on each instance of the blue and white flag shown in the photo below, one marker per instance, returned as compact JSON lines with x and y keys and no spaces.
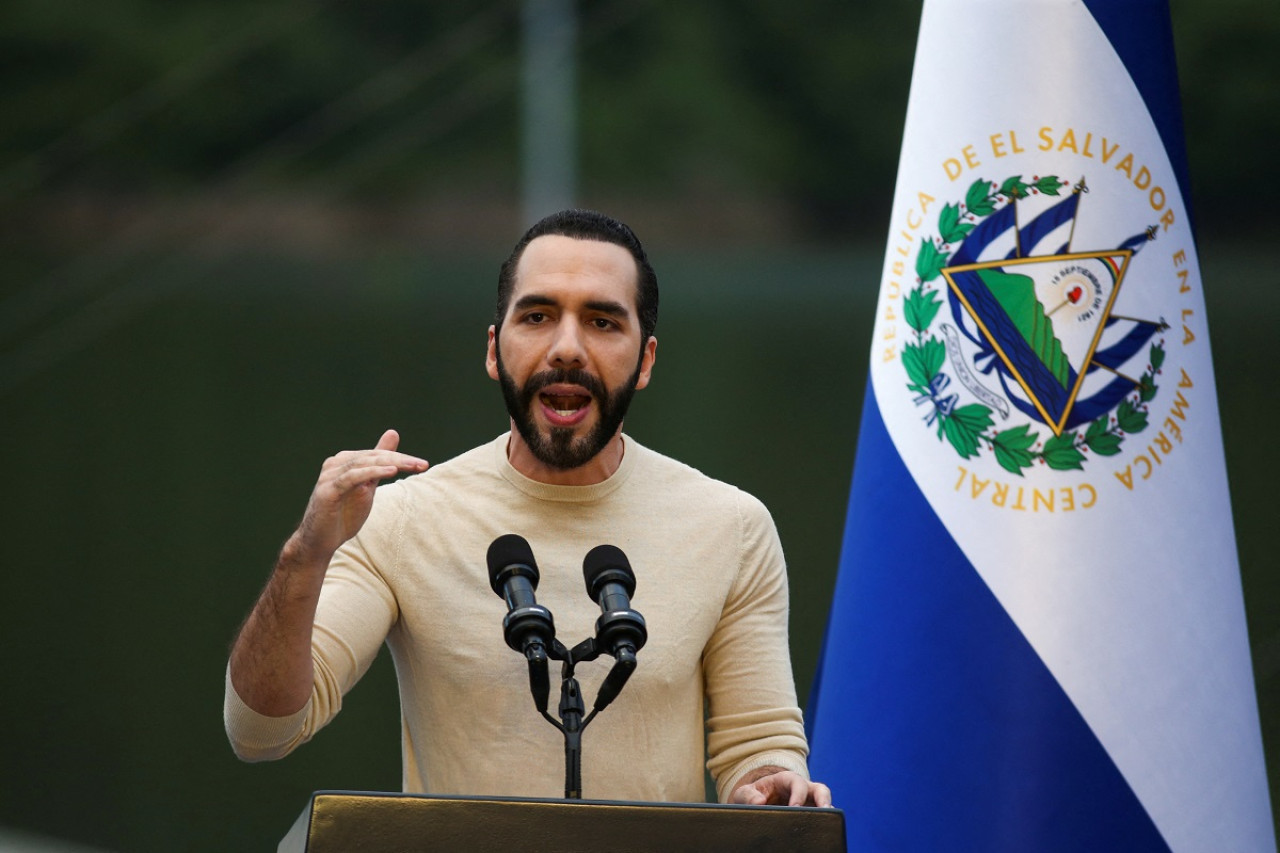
{"x":1038,"y":639}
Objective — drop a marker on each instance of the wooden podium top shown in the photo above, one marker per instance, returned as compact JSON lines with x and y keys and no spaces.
{"x":343,"y":821}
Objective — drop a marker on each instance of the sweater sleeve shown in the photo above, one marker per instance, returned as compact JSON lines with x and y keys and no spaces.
{"x":754,"y":720}
{"x":356,"y":610}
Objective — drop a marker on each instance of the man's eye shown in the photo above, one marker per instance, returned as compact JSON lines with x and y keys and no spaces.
{"x":604,"y":324}
{"x":535,"y":317}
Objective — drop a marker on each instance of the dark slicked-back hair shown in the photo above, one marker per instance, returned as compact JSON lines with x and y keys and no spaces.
{"x":586,"y":225}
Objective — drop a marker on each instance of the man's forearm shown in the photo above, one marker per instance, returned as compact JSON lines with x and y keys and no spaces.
{"x":271,"y":665}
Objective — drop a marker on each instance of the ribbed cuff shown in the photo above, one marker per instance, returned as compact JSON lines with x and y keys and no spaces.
{"x":254,"y":736}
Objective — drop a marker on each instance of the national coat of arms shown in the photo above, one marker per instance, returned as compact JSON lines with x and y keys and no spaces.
{"x":1035,"y":346}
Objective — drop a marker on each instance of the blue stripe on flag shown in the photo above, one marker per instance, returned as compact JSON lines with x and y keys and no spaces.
{"x":1141,"y":33}
{"x":927,"y":690}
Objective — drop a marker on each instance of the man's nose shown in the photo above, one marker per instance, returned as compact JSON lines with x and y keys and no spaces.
{"x":566,"y":348}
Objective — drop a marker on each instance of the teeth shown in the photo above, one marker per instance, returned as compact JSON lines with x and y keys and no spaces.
{"x":564,"y":413}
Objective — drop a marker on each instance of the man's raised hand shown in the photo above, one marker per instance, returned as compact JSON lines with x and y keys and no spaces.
{"x":343,"y":496}
{"x":271,"y":668}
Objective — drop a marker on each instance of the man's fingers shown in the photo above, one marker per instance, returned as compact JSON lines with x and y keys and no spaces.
{"x":351,"y":478}
{"x":390,"y":440}
{"x":352,"y":468}
{"x":361,"y":459}
{"x":805,"y":793}
{"x":799,"y":790}
{"x":783,"y":788}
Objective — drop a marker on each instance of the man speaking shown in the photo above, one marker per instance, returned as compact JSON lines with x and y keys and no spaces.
{"x":572,"y":341}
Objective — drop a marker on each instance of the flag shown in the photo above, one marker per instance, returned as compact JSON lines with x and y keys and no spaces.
{"x":1037,"y":639}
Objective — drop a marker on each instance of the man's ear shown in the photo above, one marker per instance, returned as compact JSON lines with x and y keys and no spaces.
{"x":491,"y":354}
{"x":647,"y":360}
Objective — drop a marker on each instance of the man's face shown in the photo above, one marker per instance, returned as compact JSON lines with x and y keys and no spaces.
{"x":569,"y":355}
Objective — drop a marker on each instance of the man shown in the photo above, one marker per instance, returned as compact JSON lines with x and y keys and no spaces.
{"x":572,"y":340}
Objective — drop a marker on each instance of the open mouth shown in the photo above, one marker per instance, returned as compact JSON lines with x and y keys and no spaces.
{"x":565,"y":405}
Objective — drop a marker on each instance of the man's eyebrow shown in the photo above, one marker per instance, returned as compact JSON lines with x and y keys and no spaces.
{"x":608,"y":306}
{"x":533,"y":300}
{"x":602,"y":306}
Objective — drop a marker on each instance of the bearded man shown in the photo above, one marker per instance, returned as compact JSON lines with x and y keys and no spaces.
{"x":571,"y":342}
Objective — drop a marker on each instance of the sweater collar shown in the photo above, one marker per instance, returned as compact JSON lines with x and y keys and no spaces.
{"x":579,"y":494}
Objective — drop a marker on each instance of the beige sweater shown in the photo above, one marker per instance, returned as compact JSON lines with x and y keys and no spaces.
{"x":710,"y":582}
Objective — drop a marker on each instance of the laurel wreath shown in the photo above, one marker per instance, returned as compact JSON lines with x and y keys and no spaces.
{"x":968,"y":428}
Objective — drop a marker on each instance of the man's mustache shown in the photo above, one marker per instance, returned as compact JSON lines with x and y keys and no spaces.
{"x":575,"y":376}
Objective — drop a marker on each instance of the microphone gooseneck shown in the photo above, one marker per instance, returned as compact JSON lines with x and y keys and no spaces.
{"x":528,"y":628}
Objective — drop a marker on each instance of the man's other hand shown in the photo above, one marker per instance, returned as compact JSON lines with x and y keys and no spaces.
{"x":773,"y":786}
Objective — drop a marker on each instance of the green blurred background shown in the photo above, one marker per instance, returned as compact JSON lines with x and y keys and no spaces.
{"x":237,"y":236}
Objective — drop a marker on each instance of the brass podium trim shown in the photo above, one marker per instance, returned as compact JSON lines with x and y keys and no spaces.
{"x":345,"y":821}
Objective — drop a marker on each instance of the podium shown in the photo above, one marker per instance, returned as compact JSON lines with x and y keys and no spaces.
{"x":344,"y":821}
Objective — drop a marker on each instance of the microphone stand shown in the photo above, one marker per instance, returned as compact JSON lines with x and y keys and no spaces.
{"x":572,"y":723}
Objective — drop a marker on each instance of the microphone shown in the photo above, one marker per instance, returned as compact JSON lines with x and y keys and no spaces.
{"x":513,"y":574}
{"x":611,"y":583}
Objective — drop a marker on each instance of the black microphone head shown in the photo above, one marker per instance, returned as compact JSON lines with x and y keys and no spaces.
{"x":509,"y":555}
{"x":607,"y":564}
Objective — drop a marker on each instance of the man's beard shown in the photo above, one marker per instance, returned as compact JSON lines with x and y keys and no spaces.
{"x":559,"y":448}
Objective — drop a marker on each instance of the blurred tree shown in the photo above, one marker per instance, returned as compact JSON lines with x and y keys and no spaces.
{"x":802,"y":104}
{"x":797,"y":106}
{"x":1229,"y":71}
